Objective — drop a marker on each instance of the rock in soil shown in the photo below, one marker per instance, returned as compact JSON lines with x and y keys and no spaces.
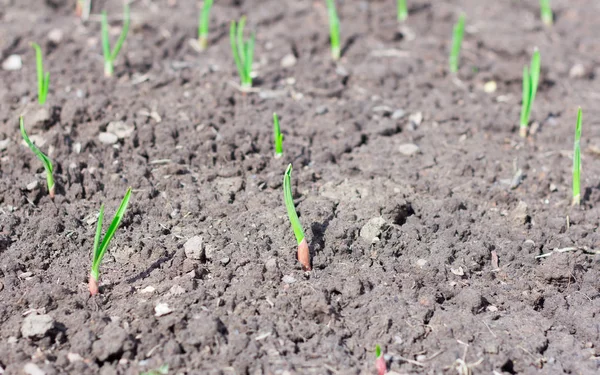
{"x":12,"y":62}
{"x":408,"y":149}
{"x":371,"y":231}
{"x":36,"y":326}
{"x":194,"y":248}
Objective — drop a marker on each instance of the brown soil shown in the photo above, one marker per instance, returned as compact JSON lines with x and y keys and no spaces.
{"x":429,"y":290}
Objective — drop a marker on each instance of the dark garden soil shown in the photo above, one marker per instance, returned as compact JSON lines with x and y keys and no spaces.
{"x":431,"y":255}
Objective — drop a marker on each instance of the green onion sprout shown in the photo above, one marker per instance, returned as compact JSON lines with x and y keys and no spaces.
{"x":402,"y":11}
{"x":243,"y":51}
{"x":203,"y":22}
{"x":334,"y":30}
{"x":42,"y":77}
{"x":100,"y":247}
{"x":546,"y":12}
{"x":531,"y":77}
{"x":380,"y":364}
{"x":459,"y":30}
{"x":278,"y":137}
{"x":111,"y":56}
{"x":303,"y":250}
{"x":44,"y":159}
{"x":577,"y":162}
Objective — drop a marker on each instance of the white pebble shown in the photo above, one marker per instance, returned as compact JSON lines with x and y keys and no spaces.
{"x":162,"y":309}
{"x":12,"y":62}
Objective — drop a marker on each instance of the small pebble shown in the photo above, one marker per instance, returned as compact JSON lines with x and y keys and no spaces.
{"x":408,"y":149}
{"x":577,"y":71}
{"x":33,"y":369}
{"x":490,"y":87}
{"x":32,"y":185}
{"x":321,"y":110}
{"x":398,"y":114}
{"x":176,"y":290}
{"x":288,"y":61}
{"x":36,"y":325}
{"x":383,"y":109}
{"x":74,"y":357}
{"x":4,"y":144}
{"x":421,"y":262}
{"x":120,"y":129}
{"x":12,"y":62}
{"x":225,"y":261}
{"x":194,"y":248}
{"x":371,"y":231}
{"x":416,"y":118}
{"x":108,"y":138}
{"x":162,"y":309}
{"x":341,"y":71}
{"x":148,"y":289}
{"x":288,"y":279}
{"x":55,"y":36}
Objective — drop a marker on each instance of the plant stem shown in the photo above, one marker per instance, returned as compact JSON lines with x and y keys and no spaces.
{"x":402,"y":11}
{"x":108,"y":68}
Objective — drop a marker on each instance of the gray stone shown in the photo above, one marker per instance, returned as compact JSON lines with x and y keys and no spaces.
{"x":288,"y":61}
{"x":398,"y":114}
{"x":577,"y":71}
{"x":383,"y":109}
{"x":176,"y":290}
{"x":4,"y":144}
{"x":371,"y":231}
{"x":108,"y":138}
{"x":33,"y":369}
{"x":36,"y":325}
{"x":194,"y":248}
{"x":120,"y":129}
{"x":162,"y":309}
{"x":12,"y":62}
{"x":321,"y":110}
{"x":55,"y":36}
{"x":288,"y":279}
{"x":33,"y":185}
{"x":408,"y":149}
{"x":519,"y":214}
{"x":416,"y":118}
{"x":271,"y":265}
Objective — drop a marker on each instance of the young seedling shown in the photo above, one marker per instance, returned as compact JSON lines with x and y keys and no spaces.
{"x":303,"y":251}
{"x":42,"y":77}
{"x":111,"y":56}
{"x":459,"y":30}
{"x":100,"y":247}
{"x":243,"y":51}
{"x":43,"y":158}
{"x":334,"y":30}
{"x":203,"y":23}
{"x":278,"y":137}
{"x":531,"y":77}
{"x":402,"y":11}
{"x":546,"y":12}
{"x":577,"y":162}
{"x":380,"y":364}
